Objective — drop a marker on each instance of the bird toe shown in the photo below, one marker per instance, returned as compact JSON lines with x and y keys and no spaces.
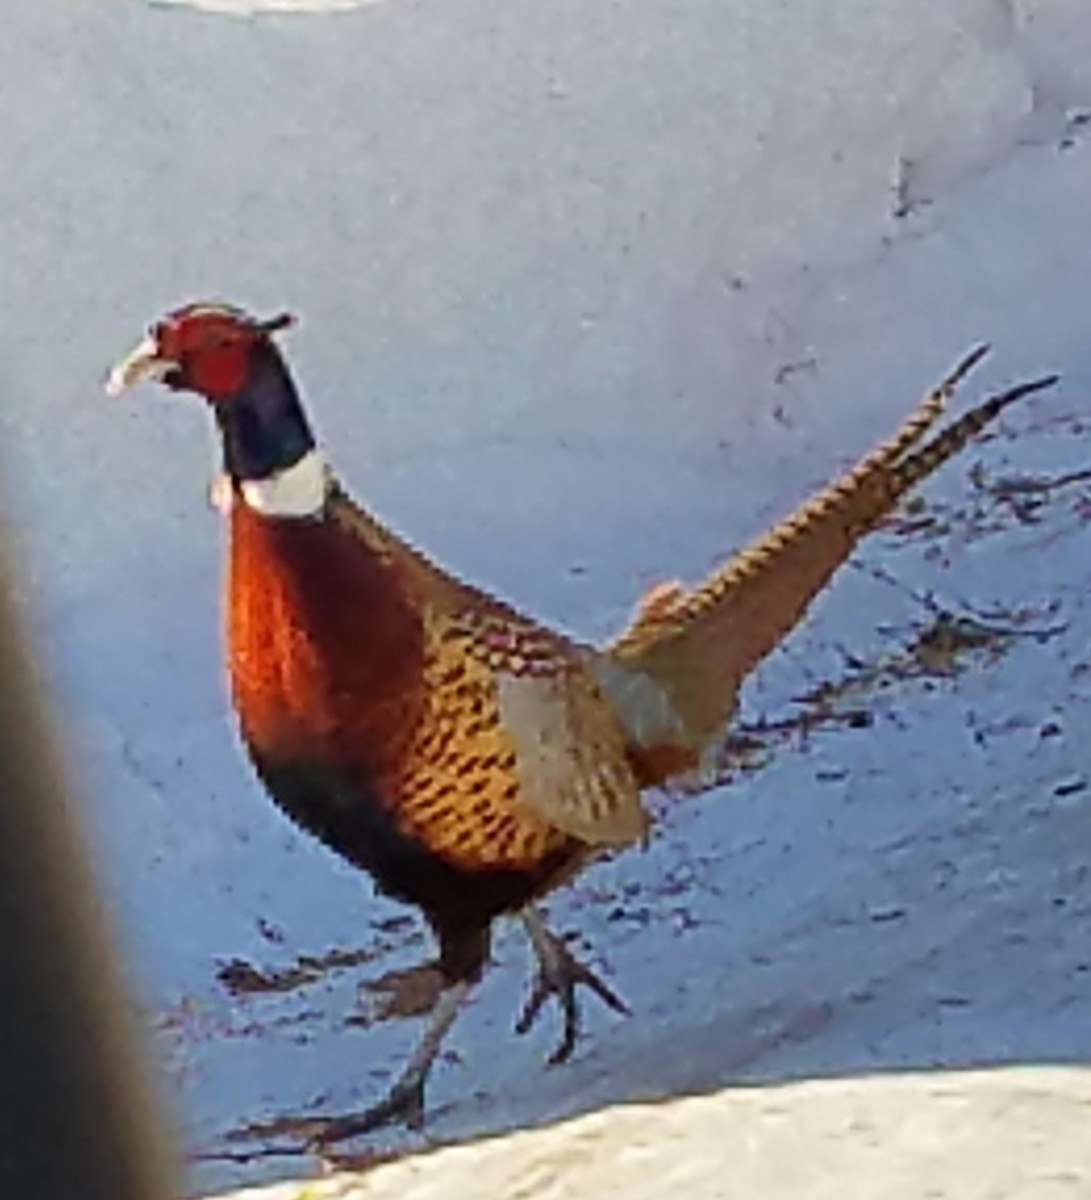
{"x":402,"y":1105}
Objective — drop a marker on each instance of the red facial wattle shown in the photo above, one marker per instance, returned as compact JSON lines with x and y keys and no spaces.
{"x":212,"y":353}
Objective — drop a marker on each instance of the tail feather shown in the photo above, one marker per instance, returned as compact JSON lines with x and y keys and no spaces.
{"x":912,"y":469}
{"x":674,"y":674}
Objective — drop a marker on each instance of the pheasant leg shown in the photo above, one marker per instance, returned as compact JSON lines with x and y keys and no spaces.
{"x":559,"y":974}
{"x":404,"y":1103}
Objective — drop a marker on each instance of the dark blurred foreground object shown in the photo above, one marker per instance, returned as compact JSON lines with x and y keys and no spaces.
{"x":76,"y":1117}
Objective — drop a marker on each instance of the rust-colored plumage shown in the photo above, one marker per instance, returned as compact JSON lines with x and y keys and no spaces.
{"x":466,"y":756}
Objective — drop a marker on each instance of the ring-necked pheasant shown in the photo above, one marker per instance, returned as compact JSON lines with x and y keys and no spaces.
{"x":466,"y":756}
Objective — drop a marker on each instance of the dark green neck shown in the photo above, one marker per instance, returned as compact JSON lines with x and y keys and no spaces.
{"x":263,"y":428}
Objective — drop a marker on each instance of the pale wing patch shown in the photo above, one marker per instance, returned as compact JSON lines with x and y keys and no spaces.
{"x":570,"y":757}
{"x":643,"y":705}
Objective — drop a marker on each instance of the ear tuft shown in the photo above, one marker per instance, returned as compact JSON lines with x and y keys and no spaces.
{"x":284,"y":320}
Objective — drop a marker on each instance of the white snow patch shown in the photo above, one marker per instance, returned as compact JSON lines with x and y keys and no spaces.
{"x":974,"y":1135}
{"x":250,"y":8}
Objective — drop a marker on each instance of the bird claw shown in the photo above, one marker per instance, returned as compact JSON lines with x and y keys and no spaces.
{"x":559,"y":974}
{"x":402,"y":1105}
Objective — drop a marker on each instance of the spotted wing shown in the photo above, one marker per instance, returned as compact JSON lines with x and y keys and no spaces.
{"x":517,"y":753}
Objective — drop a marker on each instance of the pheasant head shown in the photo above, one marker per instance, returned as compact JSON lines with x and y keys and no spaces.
{"x":231,"y":359}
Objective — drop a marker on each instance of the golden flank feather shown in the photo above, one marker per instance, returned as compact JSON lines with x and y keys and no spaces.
{"x":458,"y":790}
{"x":516,"y":753}
{"x":516,"y":706}
{"x":556,"y":749}
{"x":674,"y":674}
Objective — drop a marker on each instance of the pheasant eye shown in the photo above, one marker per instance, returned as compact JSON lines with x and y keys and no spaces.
{"x":163,"y":335}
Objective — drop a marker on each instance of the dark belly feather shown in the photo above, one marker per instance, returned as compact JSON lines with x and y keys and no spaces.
{"x":345,"y":811}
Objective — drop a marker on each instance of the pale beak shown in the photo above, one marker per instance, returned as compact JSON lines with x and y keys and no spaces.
{"x":141,"y":364}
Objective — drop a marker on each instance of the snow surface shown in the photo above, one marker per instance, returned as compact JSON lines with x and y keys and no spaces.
{"x":900,"y":1137}
{"x":248,"y":8}
{"x":589,"y":294}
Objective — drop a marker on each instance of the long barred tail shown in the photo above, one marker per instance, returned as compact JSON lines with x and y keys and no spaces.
{"x":800,"y":551}
{"x":915,"y":467}
{"x":673,"y":675}
{"x":928,"y":411}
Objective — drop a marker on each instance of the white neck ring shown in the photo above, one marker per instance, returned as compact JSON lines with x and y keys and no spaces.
{"x":297,"y":491}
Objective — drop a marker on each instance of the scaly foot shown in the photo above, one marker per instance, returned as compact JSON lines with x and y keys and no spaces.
{"x":402,"y":1105}
{"x":559,"y":974}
